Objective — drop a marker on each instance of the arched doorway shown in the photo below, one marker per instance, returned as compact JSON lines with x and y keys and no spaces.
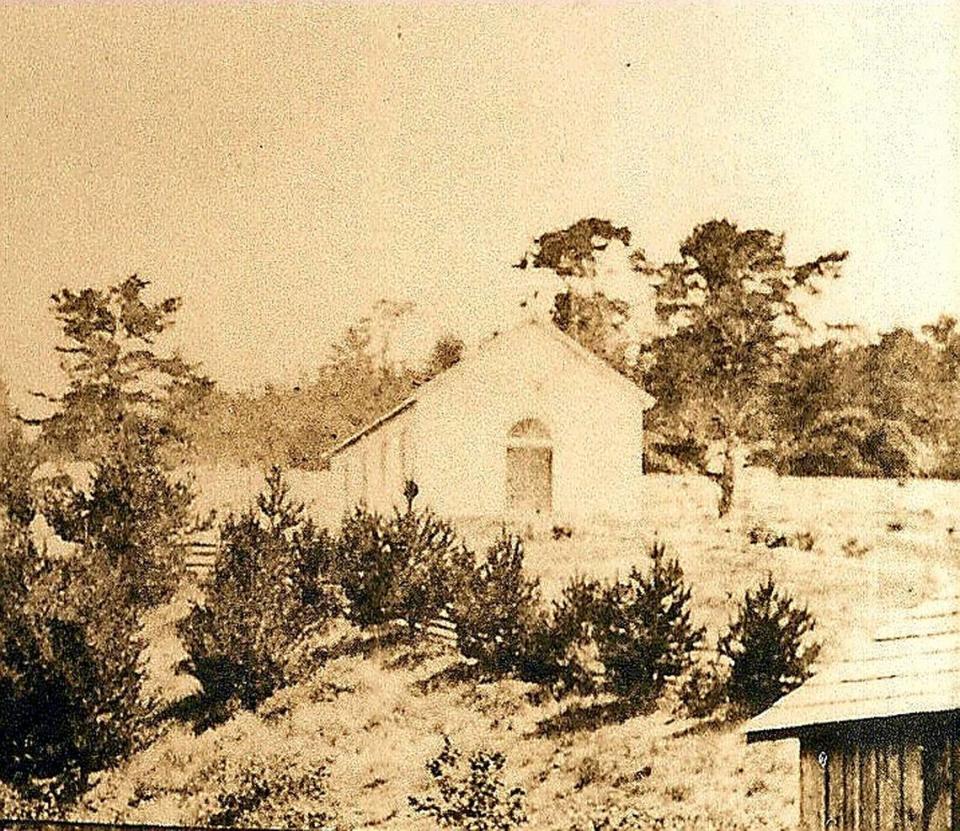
{"x":529,"y":467}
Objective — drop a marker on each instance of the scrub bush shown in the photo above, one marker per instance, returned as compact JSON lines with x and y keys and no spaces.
{"x":409,"y":566}
{"x":69,"y":650}
{"x":135,"y":515}
{"x":271,"y":584}
{"x":497,"y":610}
{"x":69,"y":673}
{"x":628,"y":638}
{"x":767,"y":647}
{"x":563,"y":654}
{"x":644,"y":632}
{"x":268,"y":792}
{"x":474,"y":800}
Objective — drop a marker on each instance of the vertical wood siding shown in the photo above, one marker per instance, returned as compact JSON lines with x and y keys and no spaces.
{"x":882,"y":780}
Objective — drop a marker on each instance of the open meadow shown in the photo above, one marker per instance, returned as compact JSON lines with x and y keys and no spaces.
{"x":374,"y":712}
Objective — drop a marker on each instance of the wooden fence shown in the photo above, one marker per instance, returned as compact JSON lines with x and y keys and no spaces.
{"x":441,"y":629}
{"x":200,"y":557}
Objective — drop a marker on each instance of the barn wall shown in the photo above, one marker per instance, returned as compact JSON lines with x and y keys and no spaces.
{"x":888,"y":777}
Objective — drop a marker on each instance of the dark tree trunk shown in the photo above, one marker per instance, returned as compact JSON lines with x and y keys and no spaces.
{"x":727,"y":477}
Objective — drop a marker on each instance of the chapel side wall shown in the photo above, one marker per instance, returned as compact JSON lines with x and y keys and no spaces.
{"x":373,"y":470}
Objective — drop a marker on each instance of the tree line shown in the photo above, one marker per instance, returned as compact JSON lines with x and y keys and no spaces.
{"x":736,"y":369}
{"x":734,"y":366}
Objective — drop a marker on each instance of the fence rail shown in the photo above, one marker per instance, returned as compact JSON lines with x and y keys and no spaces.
{"x":441,"y":629}
{"x":200,"y":557}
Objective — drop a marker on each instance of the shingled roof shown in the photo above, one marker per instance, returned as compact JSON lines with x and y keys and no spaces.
{"x":911,"y":666}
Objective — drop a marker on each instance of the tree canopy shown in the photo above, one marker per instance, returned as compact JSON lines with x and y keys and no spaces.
{"x":117,"y":379}
{"x":732,"y":308}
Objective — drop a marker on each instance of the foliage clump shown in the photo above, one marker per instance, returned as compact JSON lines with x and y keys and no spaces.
{"x":628,"y":638}
{"x":644,"y":630}
{"x":271,"y":583}
{"x":69,"y":646}
{"x":476,"y":799}
{"x":136,"y":515}
{"x":497,"y":609}
{"x":409,"y":566}
{"x":268,"y":792}
{"x":767,"y":647}
{"x":567,"y":659}
{"x":118,"y":380}
{"x":765,"y":653}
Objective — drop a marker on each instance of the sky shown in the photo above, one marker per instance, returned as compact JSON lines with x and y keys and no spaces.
{"x":282,"y":167}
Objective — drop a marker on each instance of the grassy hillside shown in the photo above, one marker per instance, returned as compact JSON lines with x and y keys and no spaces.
{"x":374,"y":712}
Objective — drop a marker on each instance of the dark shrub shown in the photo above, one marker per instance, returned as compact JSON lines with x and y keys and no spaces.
{"x":644,"y":634}
{"x":268,"y":792}
{"x":761,"y":534}
{"x":767,"y":649}
{"x":69,"y":649}
{"x":135,"y":515}
{"x":474,"y":800}
{"x":560,"y":532}
{"x":271,"y":583}
{"x":628,"y":638}
{"x":410,"y":566}
{"x":704,"y":690}
{"x":497,"y":609}
{"x":69,"y":675}
{"x":563,"y":651}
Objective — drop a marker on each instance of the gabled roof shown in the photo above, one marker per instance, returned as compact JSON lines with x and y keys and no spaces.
{"x":911,"y":666}
{"x":647,"y":401}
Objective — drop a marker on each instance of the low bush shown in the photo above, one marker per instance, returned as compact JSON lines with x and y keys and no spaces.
{"x":409,"y":566}
{"x":704,"y":689}
{"x":136,"y":515}
{"x":69,"y":648}
{"x":852,"y":547}
{"x":804,"y":540}
{"x":643,"y":628}
{"x":267,"y":792}
{"x":496,"y":610}
{"x":272,"y":583}
{"x":562,"y":653}
{"x":762,"y":535}
{"x":560,"y":532}
{"x":475,"y":799}
{"x":767,"y":647}
{"x":629,"y":638}
{"x":69,"y":652}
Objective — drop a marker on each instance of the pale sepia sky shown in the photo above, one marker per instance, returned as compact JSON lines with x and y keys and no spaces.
{"x":282,"y":167}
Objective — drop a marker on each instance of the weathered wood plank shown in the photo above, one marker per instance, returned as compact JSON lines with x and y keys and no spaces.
{"x":937,"y":785}
{"x":869,"y":802}
{"x":912,"y":785}
{"x":836,"y":787}
{"x":889,"y":814}
{"x":811,"y":788}
{"x":851,"y":780}
{"x":954,"y":780}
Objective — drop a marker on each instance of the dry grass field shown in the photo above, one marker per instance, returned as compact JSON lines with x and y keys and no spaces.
{"x":376,"y":713}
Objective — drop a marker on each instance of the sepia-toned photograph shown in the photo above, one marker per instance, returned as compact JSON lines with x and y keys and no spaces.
{"x":437,"y":415}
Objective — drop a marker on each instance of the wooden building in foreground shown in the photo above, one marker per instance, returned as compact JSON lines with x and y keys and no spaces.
{"x":880,"y":732}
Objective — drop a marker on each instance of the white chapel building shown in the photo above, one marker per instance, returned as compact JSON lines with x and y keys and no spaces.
{"x":529,"y":423}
